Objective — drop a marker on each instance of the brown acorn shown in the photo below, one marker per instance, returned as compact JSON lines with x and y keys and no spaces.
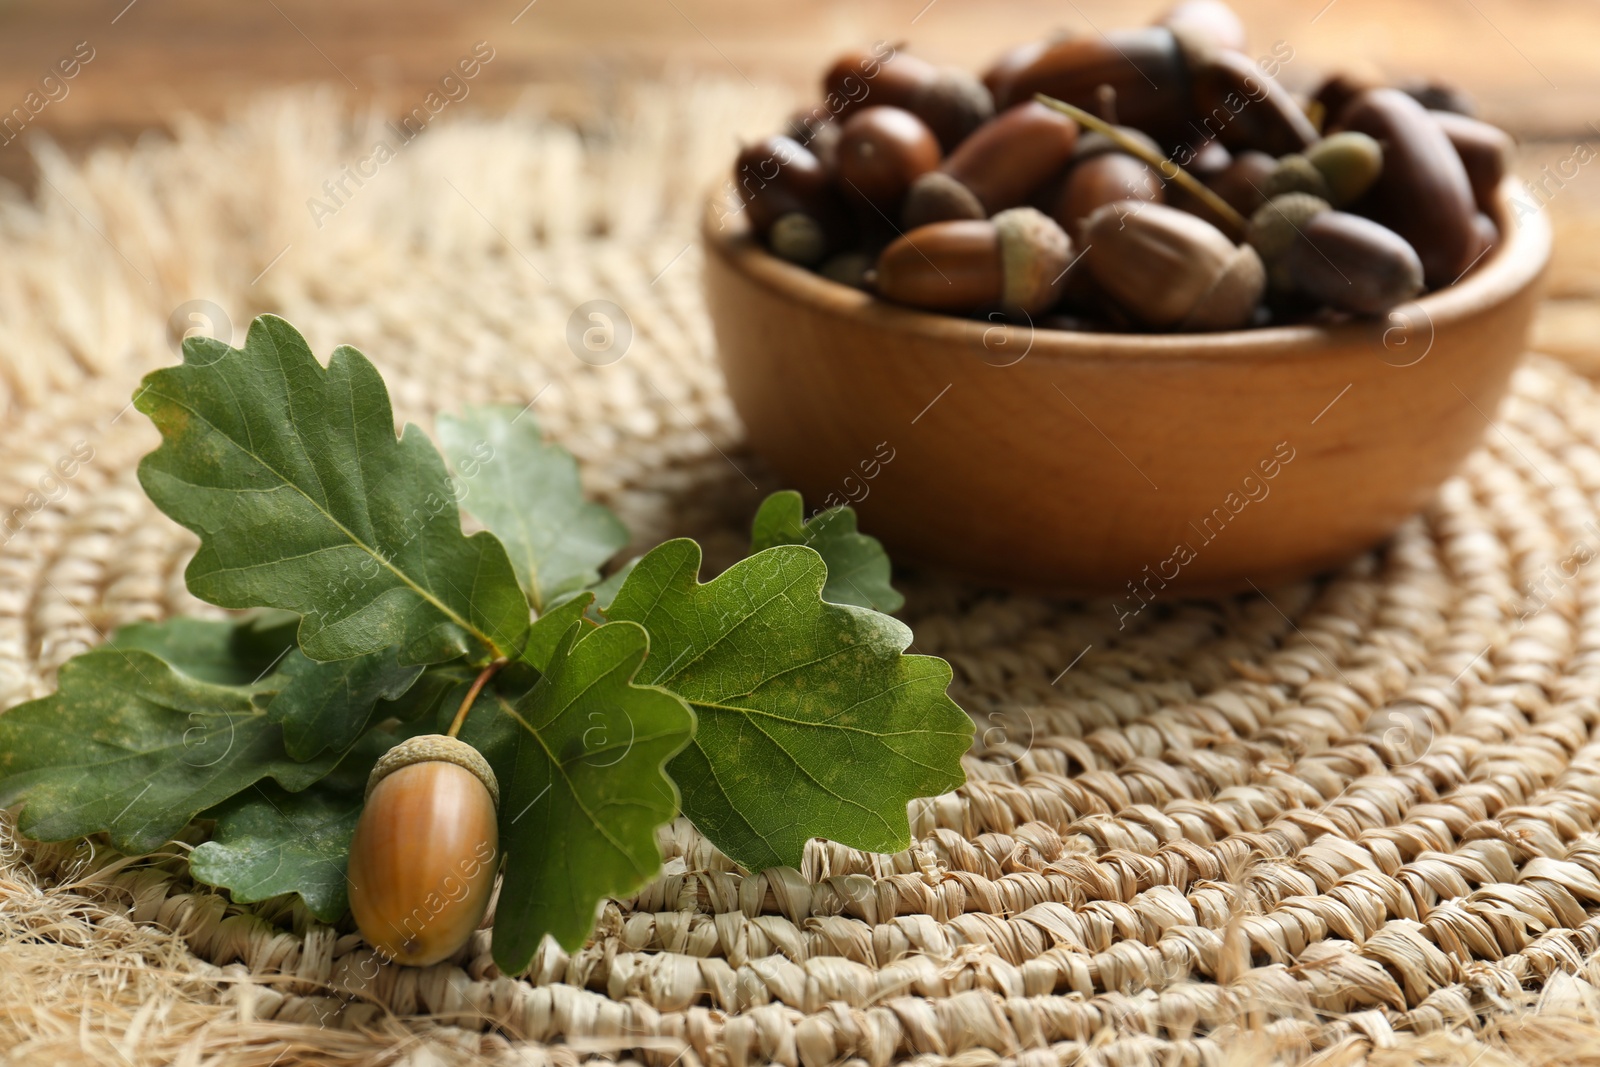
{"x":1171,"y":270}
{"x":1334,"y":258}
{"x":1440,"y":96}
{"x":1485,"y":152}
{"x":425,"y":850}
{"x":1335,"y":93}
{"x":952,"y":102}
{"x":1015,"y":262}
{"x":1104,"y":178}
{"x":881,"y":151}
{"x":997,"y":78}
{"x":1000,"y":166}
{"x":1212,"y":20}
{"x":780,"y":180}
{"x":1245,"y":106}
{"x":1244,"y":181}
{"x":1209,"y":159}
{"x":1423,"y":193}
{"x":1144,"y":68}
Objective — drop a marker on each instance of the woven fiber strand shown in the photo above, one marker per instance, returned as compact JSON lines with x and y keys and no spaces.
{"x":1344,"y":819}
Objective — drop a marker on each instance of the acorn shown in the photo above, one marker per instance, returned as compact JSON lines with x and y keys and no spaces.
{"x":1273,"y":228}
{"x":1144,"y":68}
{"x":816,"y":129}
{"x":1349,"y":163}
{"x":881,"y":151}
{"x":997,"y":78}
{"x":1212,"y":20}
{"x":778,"y":177}
{"x":848,"y":268}
{"x":1239,"y":184}
{"x":1335,"y":93}
{"x":1423,"y":193}
{"x":1104,"y":178}
{"x":1015,"y":262}
{"x":1208,"y":160}
{"x":1000,"y":166}
{"x":1171,"y":270}
{"x":1440,"y":96}
{"x":1488,"y":237}
{"x":1485,"y":152}
{"x":1336,"y":259}
{"x":1246,"y":105}
{"x":425,"y":850}
{"x":952,"y":102}
{"x":799,"y":238}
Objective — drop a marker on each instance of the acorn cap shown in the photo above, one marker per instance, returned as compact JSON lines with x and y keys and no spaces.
{"x":1034,"y":255}
{"x":1274,"y":227}
{"x":799,"y":238}
{"x":849,"y":268}
{"x":435,"y":748}
{"x":1349,"y":161}
{"x":937,"y":197}
{"x":953,"y":103}
{"x":1296,"y":174}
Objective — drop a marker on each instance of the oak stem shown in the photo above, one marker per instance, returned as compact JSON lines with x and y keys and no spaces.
{"x":472,"y":695}
{"x":1168,"y":170}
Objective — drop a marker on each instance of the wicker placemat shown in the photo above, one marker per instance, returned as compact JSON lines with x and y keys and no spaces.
{"x":1353,"y":817}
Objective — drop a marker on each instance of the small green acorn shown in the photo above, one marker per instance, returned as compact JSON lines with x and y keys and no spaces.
{"x":1349,"y":163}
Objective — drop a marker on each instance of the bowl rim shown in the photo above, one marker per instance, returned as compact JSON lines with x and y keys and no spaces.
{"x":1510,"y":267}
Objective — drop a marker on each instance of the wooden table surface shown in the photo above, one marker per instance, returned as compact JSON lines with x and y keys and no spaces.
{"x":1531,"y":65}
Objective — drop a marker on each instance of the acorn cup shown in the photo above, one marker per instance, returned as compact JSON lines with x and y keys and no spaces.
{"x":1015,"y":262}
{"x":1348,"y":164}
{"x":1000,"y":166}
{"x":425,"y":850}
{"x":1168,"y":269}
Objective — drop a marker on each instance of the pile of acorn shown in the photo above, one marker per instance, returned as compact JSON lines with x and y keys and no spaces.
{"x":1148,"y":179}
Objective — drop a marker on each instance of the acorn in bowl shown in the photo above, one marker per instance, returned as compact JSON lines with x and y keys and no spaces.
{"x":1119,"y":339}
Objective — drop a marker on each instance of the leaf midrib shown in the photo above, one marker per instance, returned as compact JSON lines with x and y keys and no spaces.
{"x":560,"y":767}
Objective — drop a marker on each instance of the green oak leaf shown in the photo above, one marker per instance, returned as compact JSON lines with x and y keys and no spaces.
{"x":858,"y":567}
{"x":605,"y":590}
{"x":811,"y":721}
{"x":527,"y":493}
{"x":269,"y":841}
{"x":131,"y":746}
{"x":328,"y":705}
{"x":224,"y":651}
{"x":579,"y":813}
{"x":545,"y":635}
{"x":304,"y":499}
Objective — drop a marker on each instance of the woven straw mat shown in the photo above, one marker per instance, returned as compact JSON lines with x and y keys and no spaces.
{"x":1353,"y":818}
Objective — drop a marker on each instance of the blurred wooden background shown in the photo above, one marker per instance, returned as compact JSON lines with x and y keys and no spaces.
{"x":1530,"y":63}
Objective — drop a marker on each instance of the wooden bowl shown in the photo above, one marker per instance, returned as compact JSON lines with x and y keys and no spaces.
{"x":1128,"y":463}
